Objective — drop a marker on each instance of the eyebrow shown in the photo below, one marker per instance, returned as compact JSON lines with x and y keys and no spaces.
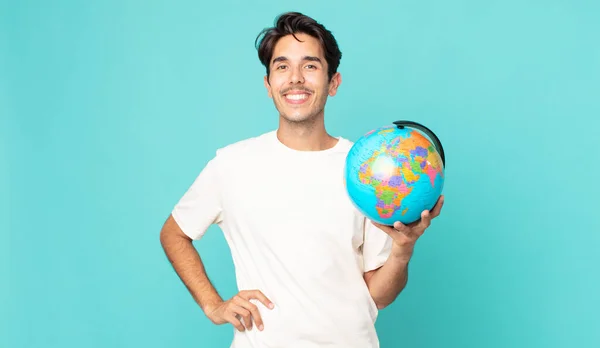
{"x":308,"y":58}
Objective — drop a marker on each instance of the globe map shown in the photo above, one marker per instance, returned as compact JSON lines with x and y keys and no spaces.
{"x":393,"y":174}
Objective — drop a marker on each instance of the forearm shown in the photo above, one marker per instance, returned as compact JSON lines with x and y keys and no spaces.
{"x":386,"y":283}
{"x":189,"y":267}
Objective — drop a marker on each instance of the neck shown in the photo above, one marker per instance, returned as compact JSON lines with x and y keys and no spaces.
{"x":309,"y":135}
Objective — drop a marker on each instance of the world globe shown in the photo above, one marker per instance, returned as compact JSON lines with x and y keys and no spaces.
{"x":395,"y":172}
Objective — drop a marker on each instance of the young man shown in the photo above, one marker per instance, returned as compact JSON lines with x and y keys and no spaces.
{"x":311,"y":270}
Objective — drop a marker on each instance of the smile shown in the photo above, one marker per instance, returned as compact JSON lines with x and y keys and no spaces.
{"x":296,"y":97}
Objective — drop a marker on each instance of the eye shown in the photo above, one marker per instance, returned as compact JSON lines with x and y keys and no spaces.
{"x":311,"y":66}
{"x":280,"y":67}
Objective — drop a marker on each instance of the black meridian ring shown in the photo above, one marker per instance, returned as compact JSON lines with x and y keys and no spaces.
{"x":436,"y":141}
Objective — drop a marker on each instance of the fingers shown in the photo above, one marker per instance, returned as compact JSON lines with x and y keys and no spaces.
{"x":409,"y":232}
{"x":257,"y":294}
{"x":231,"y":317}
{"x":427,"y":216}
{"x":250,"y":312}
{"x":393,"y":230}
{"x":246,"y":310}
{"x":425,"y":221}
{"x":437,"y":209}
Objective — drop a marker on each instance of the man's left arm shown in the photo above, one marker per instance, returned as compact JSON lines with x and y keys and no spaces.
{"x":386,"y":282}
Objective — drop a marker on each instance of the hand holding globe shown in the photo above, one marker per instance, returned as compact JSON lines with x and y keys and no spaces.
{"x":405,"y":236}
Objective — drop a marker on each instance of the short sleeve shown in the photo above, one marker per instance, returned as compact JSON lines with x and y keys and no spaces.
{"x":377,"y":246}
{"x":200,"y":206}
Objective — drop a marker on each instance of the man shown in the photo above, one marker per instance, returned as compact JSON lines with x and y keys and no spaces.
{"x":311,"y":270}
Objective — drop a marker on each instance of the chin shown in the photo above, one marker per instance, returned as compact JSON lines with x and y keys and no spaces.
{"x":297,"y":118}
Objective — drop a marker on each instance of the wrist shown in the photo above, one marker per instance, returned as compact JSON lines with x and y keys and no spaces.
{"x":402,"y":253}
{"x":210,"y":306}
{"x":211,"y":310}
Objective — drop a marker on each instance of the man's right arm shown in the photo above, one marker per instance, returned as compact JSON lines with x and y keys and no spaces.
{"x":186,"y":261}
{"x":198,"y":209}
{"x":188,"y":265}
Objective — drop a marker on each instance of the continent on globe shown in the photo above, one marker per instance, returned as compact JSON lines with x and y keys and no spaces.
{"x":396,"y":163}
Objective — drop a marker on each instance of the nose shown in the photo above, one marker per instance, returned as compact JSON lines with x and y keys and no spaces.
{"x":296,"y":75}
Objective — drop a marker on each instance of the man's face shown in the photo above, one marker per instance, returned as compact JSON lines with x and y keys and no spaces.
{"x":298,"y":81}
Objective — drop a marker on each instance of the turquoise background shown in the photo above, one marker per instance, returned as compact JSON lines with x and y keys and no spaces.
{"x":109,"y":109}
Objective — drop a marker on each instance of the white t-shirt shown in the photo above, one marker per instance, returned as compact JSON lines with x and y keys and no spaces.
{"x":295,"y":235}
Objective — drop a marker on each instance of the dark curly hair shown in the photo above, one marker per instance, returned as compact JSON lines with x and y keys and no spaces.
{"x":291,"y":23}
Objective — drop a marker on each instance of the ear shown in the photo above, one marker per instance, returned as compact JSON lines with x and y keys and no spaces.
{"x":268,"y":86}
{"x":334,"y":84}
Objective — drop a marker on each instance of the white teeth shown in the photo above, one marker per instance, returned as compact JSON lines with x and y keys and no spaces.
{"x":297,"y":96}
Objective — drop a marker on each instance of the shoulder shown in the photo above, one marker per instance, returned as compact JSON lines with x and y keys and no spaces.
{"x":243,"y":148}
{"x":344,"y":145}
